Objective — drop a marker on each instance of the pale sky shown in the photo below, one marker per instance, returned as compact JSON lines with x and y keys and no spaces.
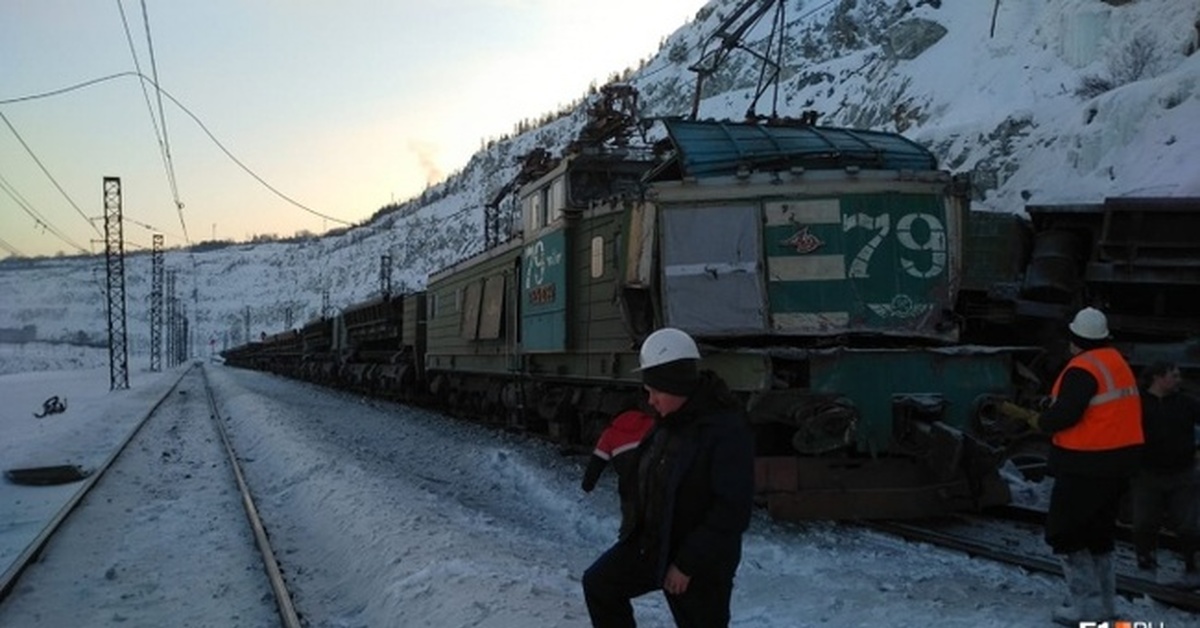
{"x":342,"y":106}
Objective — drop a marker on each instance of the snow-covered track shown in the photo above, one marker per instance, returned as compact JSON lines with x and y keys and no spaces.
{"x":1020,"y":543}
{"x":34,"y":549}
{"x":159,"y":529}
{"x":283,"y":598}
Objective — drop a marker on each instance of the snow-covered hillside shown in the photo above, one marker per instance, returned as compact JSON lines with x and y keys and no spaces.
{"x":1043,"y":102}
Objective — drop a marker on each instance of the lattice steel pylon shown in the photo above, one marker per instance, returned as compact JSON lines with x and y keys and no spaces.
{"x":385,"y":275}
{"x":156,"y":303}
{"x":114,"y":257}
{"x":181,"y":344}
{"x":170,"y":299}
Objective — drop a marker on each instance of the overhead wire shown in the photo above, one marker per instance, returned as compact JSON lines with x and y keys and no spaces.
{"x":151,"y":227}
{"x":700,"y":46}
{"x":12,"y":250}
{"x":166,"y":140}
{"x":160,"y":135}
{"x":38,"y":218}
{"x":194,"y":118}
{"x":165,"y":146}
{"x":47,"y":172}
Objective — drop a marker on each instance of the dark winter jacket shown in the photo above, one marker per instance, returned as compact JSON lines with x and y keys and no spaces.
{"x":696,"y":485}
{"x":618,"y":445}
{"x":1169,"y":424}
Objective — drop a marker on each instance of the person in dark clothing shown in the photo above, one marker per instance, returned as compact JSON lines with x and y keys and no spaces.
{"x":1095,"y":419}
{"x":695,"y":494}
{"x":618,"y":445}
{"x":1167,"y":483}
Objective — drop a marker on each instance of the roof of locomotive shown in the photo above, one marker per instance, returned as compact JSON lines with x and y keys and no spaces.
{"x":709,"y":148}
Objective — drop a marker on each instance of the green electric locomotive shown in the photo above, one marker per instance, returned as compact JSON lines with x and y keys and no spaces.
{"x":818,"y":268}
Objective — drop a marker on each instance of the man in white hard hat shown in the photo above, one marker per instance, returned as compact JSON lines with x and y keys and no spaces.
{"x":1096,"y":422}
{"x":695,"y":492}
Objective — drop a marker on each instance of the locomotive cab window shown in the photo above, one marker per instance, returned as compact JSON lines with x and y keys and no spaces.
{"x":544,"y":205}
{"x":556,"y":199}
{"x":533,"y":212}
{"x":597,"y":257}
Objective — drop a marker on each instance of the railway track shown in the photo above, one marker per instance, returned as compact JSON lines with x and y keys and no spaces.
{"x":283,"y":598}
{"x":175,"y":412}
{"x":1014,"y":536}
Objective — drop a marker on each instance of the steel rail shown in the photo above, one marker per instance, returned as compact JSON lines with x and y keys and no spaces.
{"x":1180,"y":598}
{"x":283,"y":598}
{"x":1166,"y":538}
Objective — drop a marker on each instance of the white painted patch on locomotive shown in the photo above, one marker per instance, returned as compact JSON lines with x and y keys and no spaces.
{"x":823,"y":211}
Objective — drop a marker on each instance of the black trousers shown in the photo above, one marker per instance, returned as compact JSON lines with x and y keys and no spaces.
{"x":623,"y":573}
{"x":1167,"y":498}
{"x":1083,"y":513}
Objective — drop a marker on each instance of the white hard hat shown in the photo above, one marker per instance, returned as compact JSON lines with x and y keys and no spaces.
{"x":1090,"y":324}
{"x":666,"y":345}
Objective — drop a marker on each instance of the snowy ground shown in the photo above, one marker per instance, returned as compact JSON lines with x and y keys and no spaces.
{"x":388,"y":516}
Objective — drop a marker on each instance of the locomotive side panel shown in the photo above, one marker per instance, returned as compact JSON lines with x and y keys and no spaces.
{"x":456,"y":307}
{"x":600,"y":329}
{"x":545,"y":291}
{"x":599,"y":344}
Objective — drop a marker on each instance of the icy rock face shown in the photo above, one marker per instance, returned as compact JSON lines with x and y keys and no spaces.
{"x":1000,"y":91}
{"x":1082,"y":35}
{"x":910,"y":38}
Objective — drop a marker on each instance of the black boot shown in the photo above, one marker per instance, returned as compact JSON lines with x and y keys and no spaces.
{"x":1106,"y":581}
{"x":1145,"y":541}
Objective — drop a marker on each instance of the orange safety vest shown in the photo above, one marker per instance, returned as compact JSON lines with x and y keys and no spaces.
{"x":1113,"y":418}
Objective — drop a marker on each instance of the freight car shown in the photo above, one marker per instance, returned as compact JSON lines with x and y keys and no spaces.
{"x":1027,"y":274}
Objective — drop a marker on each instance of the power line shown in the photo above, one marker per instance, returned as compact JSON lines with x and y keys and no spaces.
{"x":47,"y":172}
{"x":152,"y":228}
{"x":25,"y":205}
{"x":194,"y":118}
{"x":12,"y":250}
{"x":160,"y":135}
{"x":35,"y":214}
{"x":166,"y":140}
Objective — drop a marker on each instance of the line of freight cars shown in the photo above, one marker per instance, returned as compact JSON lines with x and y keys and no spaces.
{"x":835,"y":278}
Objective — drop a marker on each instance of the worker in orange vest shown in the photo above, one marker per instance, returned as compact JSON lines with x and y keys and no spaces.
{"x":1096,"y":422}
{"x":618,"y":445}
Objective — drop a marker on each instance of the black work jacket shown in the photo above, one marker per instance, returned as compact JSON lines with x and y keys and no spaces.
{"x":696,"y":486}
{"x":1169,"y":423}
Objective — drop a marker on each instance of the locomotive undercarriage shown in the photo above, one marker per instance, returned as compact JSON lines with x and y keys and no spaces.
{"x":812,"y":461}
{"x":822,"y":456}
{"x":569,"y":413}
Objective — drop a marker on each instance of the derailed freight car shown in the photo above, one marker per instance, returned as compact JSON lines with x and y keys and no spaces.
{"x":817,"y":267}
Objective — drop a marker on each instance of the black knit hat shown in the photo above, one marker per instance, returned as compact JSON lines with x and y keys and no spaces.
{"x":680,"y":377}
{"x":1086,"y":344}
